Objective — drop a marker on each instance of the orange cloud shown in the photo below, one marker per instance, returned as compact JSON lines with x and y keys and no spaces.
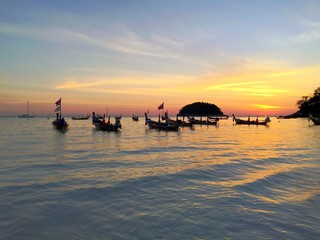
{"x":264,"y":106}
{"x":252,"y":88}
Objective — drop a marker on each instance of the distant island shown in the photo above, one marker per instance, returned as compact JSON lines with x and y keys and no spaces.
{"x":306,"y":105}
{"x":200,"y":109}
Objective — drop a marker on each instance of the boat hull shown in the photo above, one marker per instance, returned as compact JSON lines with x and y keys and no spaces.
{"x":163,"y":126}
{"x":315,"y":120}
{"x":204,"y":122}
{"x":102,"y":125}
{"x":251,"y":122}
{"x":80,"y":118}
{"x":25,"y":116}
{"x":106,"y":127}
{"x":135,"y":118}
{"x":201,"y":122}
{"x":166,"y":126}
{"x":60,"y":125}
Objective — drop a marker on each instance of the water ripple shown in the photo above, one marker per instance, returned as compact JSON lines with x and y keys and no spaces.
{"x":225,"y":182}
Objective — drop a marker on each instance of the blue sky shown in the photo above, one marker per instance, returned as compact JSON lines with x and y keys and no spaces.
{"x":130,"y":55}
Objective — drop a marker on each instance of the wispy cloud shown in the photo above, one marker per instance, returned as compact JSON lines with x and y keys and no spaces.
{"x":232,"y":85}
{"x":309,"y":32}
{"x":281,"y":74}
{"x":124,"y":85}
{"x":260,"y":91}
{"x":73,"y":84}
{"x":254,"y":88}
{"x":305,"y":37}
{"x":264,"y":106}
{"x":165,"y":41}
{"x":119,"y":38}
{"x":129,"y":85}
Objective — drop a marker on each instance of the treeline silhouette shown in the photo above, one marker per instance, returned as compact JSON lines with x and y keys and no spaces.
{"x":200,"y":109}
{"x":310,"y":104}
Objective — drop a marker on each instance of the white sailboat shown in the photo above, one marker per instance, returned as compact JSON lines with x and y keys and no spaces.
{"x":27,"y":115}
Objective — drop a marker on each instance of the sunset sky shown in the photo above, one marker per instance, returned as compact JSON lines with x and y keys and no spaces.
{"x":247,"y":57}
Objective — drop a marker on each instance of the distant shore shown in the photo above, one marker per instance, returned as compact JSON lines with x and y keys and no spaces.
{"x":298,"y":114}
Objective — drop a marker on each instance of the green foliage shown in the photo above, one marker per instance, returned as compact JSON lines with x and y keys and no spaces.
{"x":200,"y":109}
{"x":310,"y":103}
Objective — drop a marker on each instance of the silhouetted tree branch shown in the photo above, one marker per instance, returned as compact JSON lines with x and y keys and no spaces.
{"x":310,"y":103}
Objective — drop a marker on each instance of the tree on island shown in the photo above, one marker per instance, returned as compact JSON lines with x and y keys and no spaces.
{"x":310,"y":104}
{"x":200,"y":109}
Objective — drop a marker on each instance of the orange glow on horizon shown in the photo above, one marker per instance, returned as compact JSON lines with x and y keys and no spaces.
{"x":264,"y":91}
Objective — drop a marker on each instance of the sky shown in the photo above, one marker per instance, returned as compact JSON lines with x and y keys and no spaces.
{"x":125,"y":57}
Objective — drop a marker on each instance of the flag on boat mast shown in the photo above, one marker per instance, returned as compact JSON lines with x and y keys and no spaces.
{"x":58,"y":109}
{"x":161,"y":106}
{"x":58,"y":106}
{"x":58,"y":103}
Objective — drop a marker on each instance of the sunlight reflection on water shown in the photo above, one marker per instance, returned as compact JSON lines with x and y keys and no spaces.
{"x":190,"y":184}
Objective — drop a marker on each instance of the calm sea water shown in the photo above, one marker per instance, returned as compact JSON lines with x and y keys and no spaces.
{"x":224,"y":182}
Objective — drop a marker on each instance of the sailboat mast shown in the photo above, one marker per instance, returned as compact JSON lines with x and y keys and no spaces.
{"x":60,"y":108}
{"x":27,"y":108}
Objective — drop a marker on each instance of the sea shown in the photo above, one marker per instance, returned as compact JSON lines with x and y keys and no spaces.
{"x":207,"y":182}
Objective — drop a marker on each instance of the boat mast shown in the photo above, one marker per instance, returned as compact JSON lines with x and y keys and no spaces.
{"x":60,"y":107}
{"x":27,"y":108}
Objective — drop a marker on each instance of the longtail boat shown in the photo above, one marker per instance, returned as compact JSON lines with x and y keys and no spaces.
{"x":167,"y":125}
{"x":81,"y":117}
{"x":104,"y":125}
{"x":251,"y":122}
{"x":59,"y":123}
{"x":135,"y":118}
{"x":209,"y":121}
{"x":179,"y":122}
{"x":315,"y":120}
